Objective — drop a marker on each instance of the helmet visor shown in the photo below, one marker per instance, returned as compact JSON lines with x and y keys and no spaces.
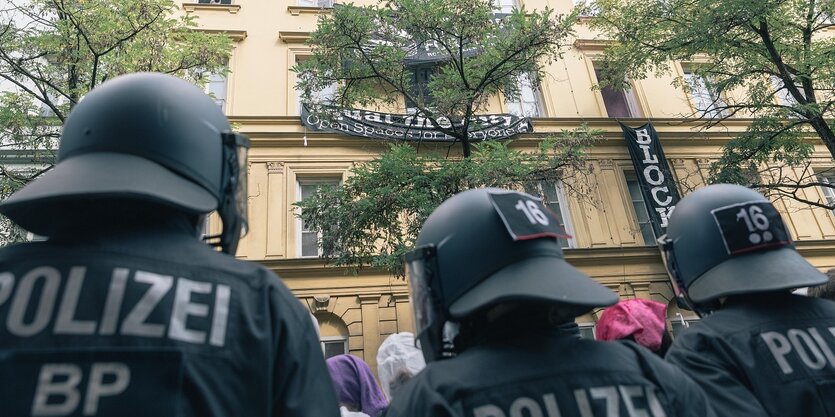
{"x":241,"y":151}
{"x":665,"y":245}
{"x":233,"y":208}
{"x":422,"y":274}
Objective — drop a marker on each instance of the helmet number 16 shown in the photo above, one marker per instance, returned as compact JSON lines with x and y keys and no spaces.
{"x":532,"y":212}
{"x":757,"y":224}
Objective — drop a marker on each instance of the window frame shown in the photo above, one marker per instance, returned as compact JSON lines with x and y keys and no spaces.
{"x":500,"y":6}
{"x":827,"y":177}
{"x":323,"y":340}
{"x":565,"y":209}
{"x":301,"y":181}
{"x":588,"y":327}
{"x":326,"y":93}
{"x":715,"y":98}
{"x":524,"y":82}
{"x":315,"y":3}
{"x":212,"y":80}
{"x":628,"y":176}
{"x":630,"y":98}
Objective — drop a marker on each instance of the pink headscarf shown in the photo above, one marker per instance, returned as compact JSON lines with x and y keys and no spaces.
{"x":644,"y":320}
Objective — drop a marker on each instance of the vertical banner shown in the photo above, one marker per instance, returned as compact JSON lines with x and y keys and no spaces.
{"x":653,"y":172}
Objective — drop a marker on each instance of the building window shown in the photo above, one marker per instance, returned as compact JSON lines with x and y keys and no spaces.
{"x":553,"y":196}
{"x":705,"y":98}
{"x":216,"y":88}
{"x":589,"y":7}
{"x":323,"y":96}
{"x":214,"y":1}
{"x":504,"y":6}
{"x":586,"y":330}
{"x":618,"y":103}
{"x":828,"y":178}
{"x":420,"y":88}
{"x":317,"y":3}
{"x":309,"y":239}
{"x":781,"y":93}
{"x":640,"y":206}
{"x":334,"y":345}
{"x":528,"y":102}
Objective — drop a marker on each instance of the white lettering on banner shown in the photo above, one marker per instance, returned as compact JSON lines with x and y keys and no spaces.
{"x":40,"y":287}
{"x":648,"y":158}
{"x":642,"y":136}
{"x":665,"y":213}
{"x":61,"y":380}
{"x":808,"y":345}
{"x":659,"y":176}
{"x":653,"y":175}
{"x":655,"y":190}
{"x":604,"y":401}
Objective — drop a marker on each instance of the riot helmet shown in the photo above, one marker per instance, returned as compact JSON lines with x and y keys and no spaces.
{"x":485,"y":247}
{"x":148,"y":137}
{"x":727,"y":240}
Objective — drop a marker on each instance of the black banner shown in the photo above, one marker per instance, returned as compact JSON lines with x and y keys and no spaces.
{"x":376,"y":125}
{"x":654,"y":175}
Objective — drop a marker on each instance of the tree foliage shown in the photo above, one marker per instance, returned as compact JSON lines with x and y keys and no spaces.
{"x":367,"y":51}
{"x":52,"y":52}
{"x":770,"y":60}
{"x":373,"y":218}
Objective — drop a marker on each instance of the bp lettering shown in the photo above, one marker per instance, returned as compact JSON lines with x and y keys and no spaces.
{"x":60,"y":391}
{"x":197,"y":311}
{"x":606,"y":401}
{"x":811,"y":347}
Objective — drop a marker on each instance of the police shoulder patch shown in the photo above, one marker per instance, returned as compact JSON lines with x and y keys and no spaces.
{"x":750,"y":226}
{"x":525,"y":217}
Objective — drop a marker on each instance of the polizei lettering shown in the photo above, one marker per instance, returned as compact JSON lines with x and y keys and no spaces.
{"x":604,"y":401}
{"x":805,"y":350}
{"x":136,"y":303}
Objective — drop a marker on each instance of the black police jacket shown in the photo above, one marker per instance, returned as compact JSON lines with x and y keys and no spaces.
{"x":766,"y":355}
{"x":153,"y":323}
{"x":555,"y":375}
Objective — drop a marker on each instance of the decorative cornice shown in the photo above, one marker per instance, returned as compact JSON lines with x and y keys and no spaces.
{"x":369,"y":298}
{"x":235,"y":35}
{"x":580,"y":257}
{"x":296,"y":10}
{"x":592,"y":44}
{"x":231,"y":8}
{"x":275,"y":167}
{"x":606,"y":163}
{"x":289,"y":36}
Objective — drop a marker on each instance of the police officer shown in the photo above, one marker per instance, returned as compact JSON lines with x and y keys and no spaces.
{"x":491,"y":293}
{"x":123,"y":310}
{"x":759,"y":350}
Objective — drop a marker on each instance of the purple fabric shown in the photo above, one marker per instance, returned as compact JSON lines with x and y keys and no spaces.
{"x":355,"y":385}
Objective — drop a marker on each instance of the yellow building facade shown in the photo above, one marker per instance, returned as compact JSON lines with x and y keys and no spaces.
{"x":610,"y":240}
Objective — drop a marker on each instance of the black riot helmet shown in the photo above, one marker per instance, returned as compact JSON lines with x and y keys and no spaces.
{"x":727,"y":240}
{"x":484,"y":247}
{"x":148,"y":137}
